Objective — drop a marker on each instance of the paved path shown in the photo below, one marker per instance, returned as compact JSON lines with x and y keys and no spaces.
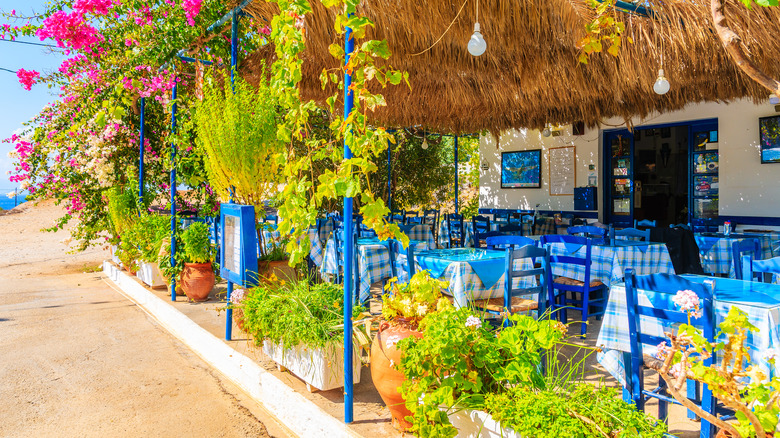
{"x":78,"y":359}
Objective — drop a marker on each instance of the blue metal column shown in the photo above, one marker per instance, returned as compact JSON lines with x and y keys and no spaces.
{"x":141,"y":156}
{"x":173,"y":190}
{"x":389,"y":173}
{"x":349,"y":46}
{"x":456,"y":174}
{"x":233,"y":62}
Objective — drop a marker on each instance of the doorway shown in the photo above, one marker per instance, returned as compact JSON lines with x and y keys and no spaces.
{"x":654,"y":173}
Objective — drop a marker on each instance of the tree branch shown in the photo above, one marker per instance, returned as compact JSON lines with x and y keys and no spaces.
{"x":731,"y":42}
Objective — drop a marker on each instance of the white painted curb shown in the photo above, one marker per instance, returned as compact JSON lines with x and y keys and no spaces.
{"x":300,"y":415}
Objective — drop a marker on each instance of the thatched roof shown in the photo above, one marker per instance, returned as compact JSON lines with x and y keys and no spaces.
{"x":530,"y":74}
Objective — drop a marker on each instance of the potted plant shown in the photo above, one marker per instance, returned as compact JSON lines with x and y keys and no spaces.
{"x":197,"y":277}
{"x":122,"y":214}
{"x":736,"y":381}
{"x":466,"y":378}
{"x":150,"y":231}
{"x":237,"y":304}
{"x":402,"y":309}
{"x":300,"y":327}
{"x":274,"y":262}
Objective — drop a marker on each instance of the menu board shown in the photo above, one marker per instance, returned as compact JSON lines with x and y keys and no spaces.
{"x":563,"y":172}
{"x":233,"y":243}
{"x":238,"y":245}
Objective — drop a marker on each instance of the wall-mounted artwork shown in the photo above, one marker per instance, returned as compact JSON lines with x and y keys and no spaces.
{"x":769,"y":127}
{"x":521,"y":169}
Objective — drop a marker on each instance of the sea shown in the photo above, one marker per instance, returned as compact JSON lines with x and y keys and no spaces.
{"x":7,"y":203}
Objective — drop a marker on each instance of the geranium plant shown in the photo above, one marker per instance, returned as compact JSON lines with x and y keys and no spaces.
{"x":410,"y":302}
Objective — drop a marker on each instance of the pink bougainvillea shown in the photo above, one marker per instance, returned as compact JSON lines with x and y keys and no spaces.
{"x":69,"y":30}
{"x":27,"y":78}
{"x":97,"y":7}
{"x":191,"y":10}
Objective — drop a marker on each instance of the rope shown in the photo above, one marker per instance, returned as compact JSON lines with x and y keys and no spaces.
{"x":9,"y":71}
{"x":448,"y":28}
{"x":30,"y":43}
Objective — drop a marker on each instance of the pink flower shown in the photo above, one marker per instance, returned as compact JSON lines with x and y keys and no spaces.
{"x":191,"y":10}
{"x":97,"y":7}
{"x":266,"y":30}
{"x":27,"y":78}
{"x":688,"y":301}
{"x":662,"y":351}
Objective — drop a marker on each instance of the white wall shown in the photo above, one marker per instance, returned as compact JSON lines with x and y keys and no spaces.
{"x":747,"y":187}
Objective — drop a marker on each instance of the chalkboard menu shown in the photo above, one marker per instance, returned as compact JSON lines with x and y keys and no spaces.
{"x":563,"y":170}
{"x":239,"y":244}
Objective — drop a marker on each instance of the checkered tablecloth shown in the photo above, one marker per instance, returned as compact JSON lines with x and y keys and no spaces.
{"x":608,"y":263}
{"x":421,"y":232}
{"x":465,"y":285}
{"x":614,"y":337}
{"x":444,"y":234}
{"x":317,"y":245}
{"x":715,"y":252}
{"x":544,"y":225}
{"x":373,"y":263}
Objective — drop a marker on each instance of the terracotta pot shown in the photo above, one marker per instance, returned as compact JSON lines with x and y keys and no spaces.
{"x":387,"y":379}
{"x":197,"y":280}
{"x":724,"y":434}
{"x":280,"y":269}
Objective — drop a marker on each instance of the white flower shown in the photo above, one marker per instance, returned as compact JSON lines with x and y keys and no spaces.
{"x":11,"y":194}
{"x":391,"y":341}
{"x":676,"y":369}
{"x":392,"y":363}
{"x":688,"y":301}
{"x":473,"y":321}
{"x":422,"y":309}
{"x":237,"y":296}
{"x":662,"y":351}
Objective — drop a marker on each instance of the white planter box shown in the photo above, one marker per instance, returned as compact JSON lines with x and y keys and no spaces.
{"x":150,"y":274}
{"x":114,"y":258}
{"x":478,"y":424}
{"x":321,"y":369}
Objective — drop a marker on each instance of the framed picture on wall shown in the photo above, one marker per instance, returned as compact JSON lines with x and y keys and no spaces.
{"x":769,"y":128}
{"x":521,"y":169}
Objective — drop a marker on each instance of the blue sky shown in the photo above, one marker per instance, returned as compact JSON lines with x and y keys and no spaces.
{"x":18,"y":105}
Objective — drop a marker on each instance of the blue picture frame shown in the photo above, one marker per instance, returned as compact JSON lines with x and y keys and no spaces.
{"x":769,"y":130}
{"x":521,"y":169}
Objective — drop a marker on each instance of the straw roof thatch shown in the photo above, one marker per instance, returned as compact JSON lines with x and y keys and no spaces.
{"x":530,"y":75}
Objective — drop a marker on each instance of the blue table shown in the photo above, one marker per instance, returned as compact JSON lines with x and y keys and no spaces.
{"x":473,"y":274}
{"x":715,"y":250}
{"x":761,"y":302}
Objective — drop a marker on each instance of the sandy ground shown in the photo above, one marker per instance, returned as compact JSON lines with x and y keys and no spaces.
{"x":78,"y":359}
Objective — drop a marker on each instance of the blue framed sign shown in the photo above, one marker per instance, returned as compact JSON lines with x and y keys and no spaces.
{"x":238,"y":248}
{"x":769,"y":127}
{"x":521,"y":169}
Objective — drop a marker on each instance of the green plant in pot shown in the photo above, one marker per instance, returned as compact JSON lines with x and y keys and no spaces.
{"x":273,"y":262}
{"x":403,"y":308}
{"x":197,"y":277}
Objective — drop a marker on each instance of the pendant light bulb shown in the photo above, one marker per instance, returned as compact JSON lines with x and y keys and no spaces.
{"x":546,"y":131}
{"x":661,"y":85}
{"x":477,"y":44}
{"x":425,"y":143}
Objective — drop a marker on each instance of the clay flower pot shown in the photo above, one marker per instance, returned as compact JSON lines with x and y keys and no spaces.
{"x":385,"y":356}
{"x":197,"y":280}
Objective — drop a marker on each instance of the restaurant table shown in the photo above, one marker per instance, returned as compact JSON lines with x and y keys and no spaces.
{"x":373,"y":261}
{"x":761,"y":302}
{"x":715,"y":250}
{"x":473,"y":274}
{"x":609,"y":261}
{"x":423,"y":232}
{"x":540,"y":227}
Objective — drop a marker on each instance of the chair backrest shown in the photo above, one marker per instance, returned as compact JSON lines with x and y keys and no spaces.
{"x":740,"y":248}
{"x":665,"y":310}
{"x":455,"y":228}
{"x":396,"y":216}
{"x":576,"y":258}
{"x":755,"y":270}
{"x":501,"y":218}
{"x":645,"y":223}
{"x":412,"y":217}
{"x":507,"y":241}
{"x":431,"y":217}
{"x":598,"y":233}
{"x":402,"y":259}
{"x":537,"y":255}
{"x":482,"y":237}
{"x":683,"y":226}
{"x":511,"y":229}
{"x":481,"y":224}
{"x":633,"y":232}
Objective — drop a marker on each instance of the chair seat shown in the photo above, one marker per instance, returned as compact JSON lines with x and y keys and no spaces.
{"x":519,"y":304}
{"x":572,"y":282}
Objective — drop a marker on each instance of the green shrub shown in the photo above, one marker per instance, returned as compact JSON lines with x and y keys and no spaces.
{"x":196,"y":244}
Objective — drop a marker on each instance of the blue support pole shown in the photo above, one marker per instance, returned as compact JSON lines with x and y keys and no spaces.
{"x":233,"y":62}
{"x":141,"y":156}
{"x":349,"y":46}
{"x":456,"y":174}
{"x":173,"y":190}
{"x":389,"y":177}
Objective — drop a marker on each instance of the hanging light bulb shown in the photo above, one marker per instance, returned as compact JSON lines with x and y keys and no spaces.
{"x":425,"y":143}
{"x":546,"y":131}
{"x":661,"y":85}
{"x":477,"y":44}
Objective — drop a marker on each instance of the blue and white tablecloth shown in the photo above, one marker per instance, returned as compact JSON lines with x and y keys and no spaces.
{"x":544,"y":226}
{"x":608,"y":263}
{"x":468,"y":234}
{"x":473,"y":274}
{"x":761,"y":301}
{"x":373,"y":262}
{"x":422,"y":232}
{"x":715,"y":252}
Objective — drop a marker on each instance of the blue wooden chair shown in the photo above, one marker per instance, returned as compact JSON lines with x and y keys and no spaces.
{"x":645,"y":223}
{"x":396,"y":216}
{"x":516,"y":299}
{"x":760,"y":270}
{"x":666,"y":284}
{"x":431,"y":217}
{"x":643,"y":235}
{"x":740,"y":248}
{"x":455,"y":230}
{"x":566,"y":292}
{"x":480,"y":239}
{"x":513,"y":229}
{"x":589,"y":231}
{"x":528,"y":221}
{"x":683,"y":226}
{"x":507,"y":241}
{"x":412,"y":217}
{"x":501,"y":218}
{"x":480,"y":225}
{"x":401,"y":260}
